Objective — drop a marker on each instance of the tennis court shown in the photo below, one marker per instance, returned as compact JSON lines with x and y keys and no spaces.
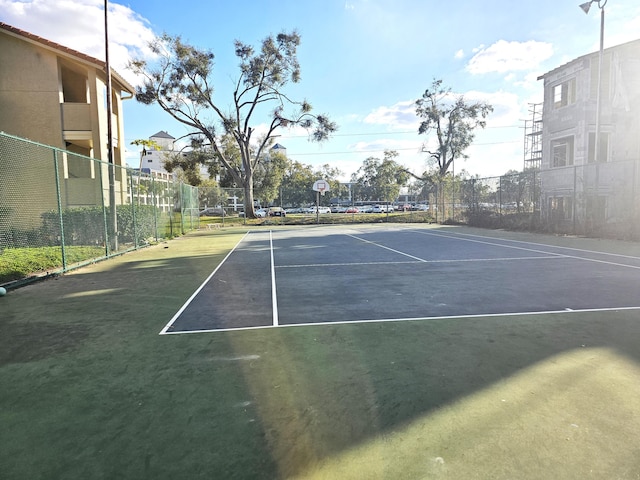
{"x":338,"y":274}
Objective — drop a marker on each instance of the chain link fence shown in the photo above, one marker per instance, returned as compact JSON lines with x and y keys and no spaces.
{"x":509,"y":201}
{"x":598,"y":200}
{"x":61,"y":209}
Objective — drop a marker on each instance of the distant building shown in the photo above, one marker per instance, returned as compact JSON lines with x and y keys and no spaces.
{"x":578,"y":194}
{"x":153,"y":158}
{"x":278,"y":148}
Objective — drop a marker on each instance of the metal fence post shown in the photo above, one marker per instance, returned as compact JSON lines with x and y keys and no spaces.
{"x":107,"y":247}
{"x":136,"y":240}
{"x":500,"y":197}
{"x":154,"y":202}
{"x":60,"y":216}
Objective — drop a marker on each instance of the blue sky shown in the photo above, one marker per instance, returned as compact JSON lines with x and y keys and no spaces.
{"x":364,"y":62}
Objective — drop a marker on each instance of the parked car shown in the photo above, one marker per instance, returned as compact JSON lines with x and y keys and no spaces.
{"x":365,"y":209}
{"x":382,"y":208}
{"x":213,"y":212}
{"x":289,"y":211}
{"x":319,"y":210}
{"x":261,"y":213}
{"x":277,"y":212}
{"x":351,"y":210}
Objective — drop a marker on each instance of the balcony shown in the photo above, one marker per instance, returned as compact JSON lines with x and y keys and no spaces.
{"x":76,"y":117}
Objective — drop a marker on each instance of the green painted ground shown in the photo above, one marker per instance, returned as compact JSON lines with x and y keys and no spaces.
{"x":88,"y":389}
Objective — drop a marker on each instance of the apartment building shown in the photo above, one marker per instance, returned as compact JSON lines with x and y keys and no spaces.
{"x":56,"y":96}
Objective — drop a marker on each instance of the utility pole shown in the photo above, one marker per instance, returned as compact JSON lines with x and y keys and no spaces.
{"x":112,"y":222}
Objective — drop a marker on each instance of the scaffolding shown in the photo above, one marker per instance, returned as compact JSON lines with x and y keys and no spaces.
{"x":533,"y":138}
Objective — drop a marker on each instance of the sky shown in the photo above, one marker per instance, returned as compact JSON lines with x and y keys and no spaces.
{"x":364,"y":62}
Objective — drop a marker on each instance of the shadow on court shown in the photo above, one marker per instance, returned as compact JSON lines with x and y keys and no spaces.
{"x":538,"y":396}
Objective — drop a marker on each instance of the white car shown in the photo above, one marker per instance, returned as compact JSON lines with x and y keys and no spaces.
{"x":319,"y":210}
{"x":382,"y":208}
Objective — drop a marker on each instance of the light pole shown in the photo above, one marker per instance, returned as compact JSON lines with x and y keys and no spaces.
{"x":112,"y":168}
{"x":585,"y":7}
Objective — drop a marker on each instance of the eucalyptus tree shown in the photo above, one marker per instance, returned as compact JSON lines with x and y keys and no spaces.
{"x":453,"y":119}
{"x":268,"y":178}
{"x":181,"y":81}
{"x":380,"y":179}
{"x":298,"y":179}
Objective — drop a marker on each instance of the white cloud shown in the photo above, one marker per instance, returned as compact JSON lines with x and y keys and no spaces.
{"x":459,"y":54}
{"x":402,"y":115}
{"x":507,"y":107}
{"x":503,"y":57}
{"x":79,"y":25}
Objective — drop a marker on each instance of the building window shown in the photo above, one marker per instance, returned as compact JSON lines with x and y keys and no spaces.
{"x":603,"y":148}
{"x":562,"y":152}
{"x":564,"y":94}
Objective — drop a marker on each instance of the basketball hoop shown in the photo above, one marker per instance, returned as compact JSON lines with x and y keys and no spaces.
{"x":321,"y":186}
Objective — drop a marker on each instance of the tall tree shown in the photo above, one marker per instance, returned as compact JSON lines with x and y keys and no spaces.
{"x":298,"y":181}
{"x":453,"y":120}
{"x":380,"y":179}
{"x":296,"y":185}
{"x":181,"y":83}
{"x":268,"y":178}
{"x":517,"y":188}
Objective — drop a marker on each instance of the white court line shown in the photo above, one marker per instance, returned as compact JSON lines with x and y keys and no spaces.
{"x":454,"y":236}
{"x":186,"y":304}
{"x":274,"y":296}
{"x":347,"y":264}
{"x":414,"y":262}
{"x":413,"y":319}
{"x":386,"y":248}
{"x":547,"y":245}
{"x":491,"y":243}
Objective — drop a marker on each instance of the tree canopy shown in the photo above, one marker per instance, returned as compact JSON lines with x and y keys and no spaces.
{"x":299,"y":178}
{"x":380,"y":179}
{"x":453,"y":119}
{"x":181,"y":83}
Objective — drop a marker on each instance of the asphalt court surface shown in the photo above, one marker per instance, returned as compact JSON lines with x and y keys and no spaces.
{"x":310,"y":275}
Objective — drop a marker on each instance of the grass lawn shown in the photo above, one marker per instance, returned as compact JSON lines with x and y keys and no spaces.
{"x":90,"y":390}
{"x":17,"y":263}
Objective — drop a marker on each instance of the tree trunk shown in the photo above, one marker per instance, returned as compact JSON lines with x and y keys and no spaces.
{"x":249,"y":210}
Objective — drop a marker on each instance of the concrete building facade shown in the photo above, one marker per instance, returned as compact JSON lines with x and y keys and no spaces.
{"x":578,"y":193}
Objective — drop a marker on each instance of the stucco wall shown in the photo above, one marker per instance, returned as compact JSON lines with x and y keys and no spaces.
{"x":29,"y":98}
